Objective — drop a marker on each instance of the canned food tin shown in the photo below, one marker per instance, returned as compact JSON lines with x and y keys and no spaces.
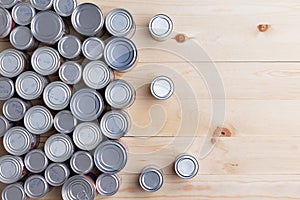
{"x":38,"y":120}
{"x":6,"y":23}
{"x":4,"y":125}
{"x":42,"y":4}
{"x":160,"y":27}
{"x":57,"y":95}
{"x":92,"y":48}
{"x":12,"y":63}
{"x":48,"y":27}
{"x":36,"y":187}
{"x":22,"y":13}
{"x":151,"y":179}
{"x":87,"y":136}
{"x":119,"y":22}
{"x":81,"y":162}
{"x":115,"y":124}
{"x":45,"y":61}
{"x":78,"y":187}
{"x":64,"y":7}
{"x":8,"y":3}
{"x":14,"y":109}
{"x":22,"y":39}
{"x":13,"y":192}
{"x":86,"y":104}
{"x":70,"y":72}
{"x":162,"y":87}
{"x":186,"y":166}
{"x":7,"y":88}
{"x":36,"y":161}
{"x":56,"y":174}
{"x":59,"y":148}
{"x":107,"y":184}
{"x":110,"y":157}
{"x":69,"y":46}
{"x":12,"y":169}
{"x":18,"y":141}
{"x":65,"y":122}
{"x":120,"y":53}
{"x":119,"y":94}
{"x":97,"y":75}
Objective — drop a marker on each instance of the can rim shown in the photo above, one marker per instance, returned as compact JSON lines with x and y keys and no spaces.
{"x":167,"y":19}
{"x":15,"y":16}
{"x":162,"y":78}
{"x":57,"y":125}
{"x":85,"y":48}
{"x":193,"y":160}
{"x":20,"y":59}
{"x":17,"y":30}
{"x":11,"y":84}
{"x":27,"y":187}
{"x":9,"y":5}
{"x":74,"y":165}
{"x":6,"y":30}
{"x":101,"y":190}
{"x":63,"y":77}
{"x":18,"y":162}
{"x":28,"y":165}
{"x":48,"y":177}
{"x":64,"y":13}
{"x":38,"y":6}
{"x":7,"y":114}
{"x":142,"y":181}
{"x":14,"y":185}
{"x":6,"y":125}
{"x":61,"y":42}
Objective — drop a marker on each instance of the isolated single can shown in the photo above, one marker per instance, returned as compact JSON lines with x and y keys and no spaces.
{"x":162,"y":87}
{"x":8,"y":3}
{"x":22,"y":13}
{"x":81,"y":162}
{"x":12,"y":63}
{"x":13,"y":192}
{"x":107,"y":184}
{"x":70,"y":72}
{"x":56,"y":174}
{"x":93,"y":48}
{"x":65,"y":122}
{"x":36,"y":161}
{"x":97,"y":75}
{"x":160,"y":27}
{"x":186,"y":166}
{"x":42,"y":5}
{"x":4,"y":125}
{"x":64,"y":7}
{"x":38,"y":120}
{"x":21,"y":38}
{"x":36,"y":187}
{"x":69,"y":46}
{"x":14,"y":109}
{"x":59,"y":148}
{"x":12,"y":169}
{"x":6,"y":23}
{"x":151,"y":179}
{"x":7,"y":88}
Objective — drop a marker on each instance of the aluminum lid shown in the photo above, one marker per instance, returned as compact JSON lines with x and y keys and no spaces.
{"x":78,"y":187}
{"x":8,"y":3}
{"x":36,"y":186}
{"x":87,"y":19}
{"x":21,"y":38}
{"x":38,"y":120}
{"x":47,"y":27}
{"x":22,"y":13}
{"x":186,"y":166}
{"x":162,"y":87}
{"x":107,"y":184}
{"x":93,"y":48}
{"x":65,"y":122}
{"x":36,"y":161}
{"x":70,"y":72}
{"x":6,"y":22}
{"x":13,"y":192}
{"x":56,"y":174}
{"x":161,"y":26}
{"x":41,"y":4}
{"x":7,"y":88}
{"x":11,"y":169}
{"x":120,"y":53}
{"x":69,"y":46}
{"x":81,"y":162}
{"x":110,"y":157}
{"x":64,"y":7}
{"x":57,"y":95}
{"x":4,"y":125}
{"x":151,"y":179}
{"x":86,"y":104}
{"x":14,"y":109}
{"x":12,"y":63}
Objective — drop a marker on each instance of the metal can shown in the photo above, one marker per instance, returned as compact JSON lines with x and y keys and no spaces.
{"x":78,"y":187}
{"x":12,"y":63}
{"x":56,"y":174}
{"x":81,"y":162}
{"x":151,"y":179}
{"x":69,"y":46}
{"x":6,"y":23}
{"x":14,"y":109}
{"x":48,"y":27}
{"x":97,"y":75}
{"x":22,"y":13}
{"x":92,"y":48}
{"x":65,"y":122}
{"x":13,"y":192}
{"x":160,"y":27}
{"x":186,"y":166}
{"x":64,"y":7}
{"x":42,"y":4}
{"x":108,"y":184}
{"x":45,"y":60}
{"x":4,"y":125}
{"x":110,"y":157}
{"x":8,"y":3}
{"x":59,"y":148}
{"x":22,"y":39}
{"x":119,"y":94}
{"x":120,"y":54}
{"x":30,"y":85}
{"x":36,"y":161}
{"x":87,"y":136}
{"x":86,"y":104}
{"x":119,"y":22}
{"x":7,"y":88}
{"x":88,"y":19}
{"x":12,"y":169}
{"x":162,"y":87}
{"x":57,"y":95}
{"x":70,"y":72}
{"x":38,"y":120}
{"x":36,"y":187}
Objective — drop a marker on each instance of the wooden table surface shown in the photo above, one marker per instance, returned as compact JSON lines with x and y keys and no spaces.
{"x":236,"y":68}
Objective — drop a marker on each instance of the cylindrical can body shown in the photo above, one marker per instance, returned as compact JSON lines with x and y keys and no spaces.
{"x":151,"y":179}
{"x":36,"y":187}
{"x":22,"y":13}
{"x":160,"y":27}
{"x":12,"y":63}
{"x":162,"y":88}
{"x":65,"y":122}
{"x":6,"y":23}
{"x":42,"y":5}
{"x":4,"y":125}
{"x":12,"y":169}
{"x":93,"y":48}
{"x":8,"y":3}
{"x":14,"y":109}
{"x":107,"y":184}
{"x":36,"y":161}
{"x":69,"y":47}
{"x":64,"y":7}
{"x":13,"y":191}
{"x":70,"y":72}
{"x":56,"y":174}
{"x":7,"y":88}
{"x":186,"y":166}
{"x":22,"y":39}
{"x":81,"y":162}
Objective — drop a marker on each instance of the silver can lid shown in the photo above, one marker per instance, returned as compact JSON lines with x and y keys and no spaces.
{"x":86,"y":104}
{"x":8,"y":3}
{"x":81,"y":162}
{"x":97,"y":75}
{"x":78,"y":187}
{"x":56,"y":174}
{"x":120,"y":53}
{"x":36,"y":161}
{"x":162,"y":87}
{"x":107,"y":184}
{"x":38,"y":120}
{"x":65,"y":122}
{"x":151,"y":179}
{"x":87,"y":19}
{"x":22,"y":13}
{"x":36,"y":186}
{"x":160,"y":27}
{"x":13,"y":192}
{"x":69,"y":46}
{"x":186,"y":166}
{"x":45,"y":61}
{"x":64,"y":7}
{"x":115,"y":124}
{"x":110,"y":157}
{"x":59,"y":148}
{"x":42,"y":4}
{"x":119,"y":94}
{"x":47,"y":27}
{"x":11,"y":169}
{"x":7,"y":88}
{"x":87,"y":136}
{"x":12,"y":63}
{"x":4,"y":125}
{"x":6,"y":22}
{"x":14,"y":109}
{"x":70,"y":72}
{"x":92,"y":48}
{"x":21,"y":38}
{"x":57,"y":95}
